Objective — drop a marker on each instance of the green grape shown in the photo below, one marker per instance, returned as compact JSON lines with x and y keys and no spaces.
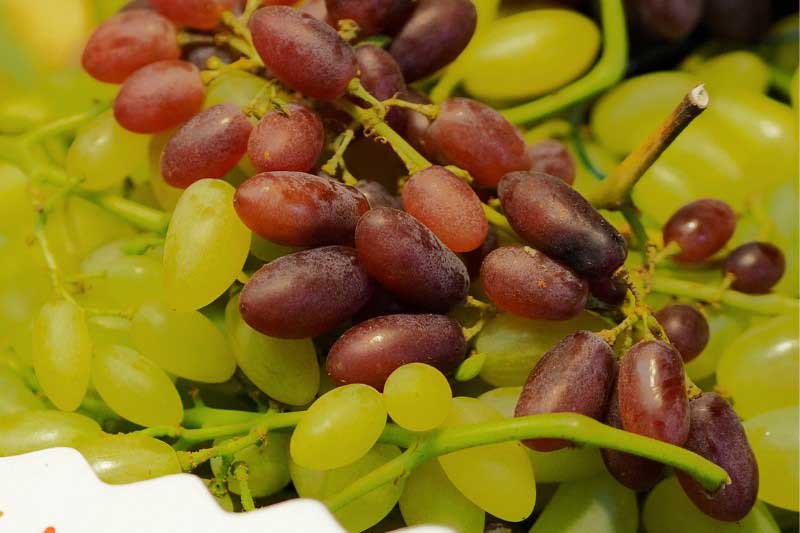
{"x":759,"y":369}
{"x":268,"y":251}
{"x":268,"y":466}
{"x":668,"y":509}
{"x":62,"y":353}
{"x":15,"y":204}
{"x":135,"y":388}
{"x":513,"y":345}
{"x":22,"y":344}
{"x":186,"y":344}
{"x":235,"y":87}
{"x":206,"y":246}
{"x":119,"y":459}
{"x":284,"y":369}
{"x":783,"y":53}
{"x":724,"y":325}
{"x":166,"y":195}
{"x":126,"y":282}
{"x":498,"y":478}
{"x":417,"y":397}
{"x":110,"y":330}
{"x":774,"y":438}
{"x":363,"y":512}
{"x":734,"y":70}
{"x":29,"y":431}
{"x":15,"y":396}
{"x":24,"y":287}
{"x":339,"y":427}
{"x":430,"y":498}
{"x":599,"y":505}
{"x":103,"y":153}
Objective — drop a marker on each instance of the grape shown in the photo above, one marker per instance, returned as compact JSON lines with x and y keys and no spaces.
{"x":208,"y":146}
{"x":306,"y":293}
{"x":686,"y":328}
{"x":110,"y":330}
{"x":478,"y":139}
{"x":737,"y":20}
{"x":36,"y":430}
{"x":756,"y":267}
{"x":717,"y":435}
{"x":206,"y":246}
{"x":365,"y":511}
{"x":285,"y":369}
{"x":435,"y":35}
{"x":15,"y":202}
{"x":315,"y":8}
{"x":430,"y":498}
{"x":381,"y":77}
{"x":128,"y":41}
{"x":447,"y":206}
{"x":575,"y":376}
{"x":236,"y":87}
{"x":552,"y":157}
{"x":62,"y":352}
{"x":103,"y":154}
{"x":159,"y":96}
{"x":304,"y":53}
{"x":166,"y":195}
{"x":134,"y":387}
{"x":16,"y":397}
{"x":738,"y":70}
{"x":407,"y":259}
{"x":474,"y":259}
{"x":556,"y":219}
{"x":372,"y":16}
{"x":416,"y":125}
{"x":774,"y":438}
{"x":701,"y":229}
{"x":496,"y":477}
{"x":377,"y":195}
{"x":340,"y":427}
{"x":417,"y":397}
{"x":671,"y":20}
{"x":381,"y":303}
{"x":297,"y":209}
{"x":289,"y":139}
{"x":127,"y":281}
{"x":267,"y":466}
{"x":369,"y":352}
{"x":724,"y":327}
{"x":199,"y":14}
{"x":199,"y":55}
{"x":759,"y":368}
{"x":119,"y":459}
{"x":608,"y":289}
{"x":524,"y":281}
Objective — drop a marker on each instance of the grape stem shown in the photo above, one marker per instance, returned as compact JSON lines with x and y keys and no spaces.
{"x":241,"y":473}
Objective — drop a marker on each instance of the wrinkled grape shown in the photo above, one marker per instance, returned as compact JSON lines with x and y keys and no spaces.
{"x":701,"y":229}
{"x":36,"y":430}
{"x":756,"y":267}
{"x":119,"y":459}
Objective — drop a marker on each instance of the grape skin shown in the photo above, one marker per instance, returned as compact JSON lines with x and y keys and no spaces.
{"x":701,"y":228}
{"x":120,"y":459}
{"x":686,"y":328}
{"x":372,"y":16}
{"x":417,"y":397}
{"x":290,"y":139}
{"x":199,"y":14}
{"x":756,"y":267}
{"x":552,"y":157}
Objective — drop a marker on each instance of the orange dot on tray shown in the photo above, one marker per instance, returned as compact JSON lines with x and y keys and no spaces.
{"x":50,"y":529}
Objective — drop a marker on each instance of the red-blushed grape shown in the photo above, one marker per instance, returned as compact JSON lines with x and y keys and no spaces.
{"x":435,"y":35}
{"x":305,"y":294}
{"x":552,"y":157}
{"x":701,"y":228}
{"x":297,"y":209}
{"x":377,"y":195}
{"x":686,"y":328}
{"x":672,"y":20}
{"x":737,"y":20}
{"x":199,"y":55}
{"x":416,"y":125}
{"x":208,"y":146}
{"x":475,"y":137}
{"x":288,"y":139}
{"x":556,"y":219}
{"x":756,"y":267}
{"x":717,"y":435}
{"x":159,"y":96}
{"x":381,"y":77}
{"x":128,"y":41}
{"x":303,"y":52}
{"x":409,"y":260}
{"x":370,"y":351}
{"x":474,"y":259}
{"x":608,"y":289}
{"x":447,"y":206}
{"x":527,"y":283}
{"x":372,"y":16}
{"x":652,"y":392}
{"x":199,"y":14}
{"x":575,"y":376}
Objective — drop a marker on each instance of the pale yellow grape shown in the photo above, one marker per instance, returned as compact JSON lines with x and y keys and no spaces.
{"x":166,"y":195}
{"x":62,"y":353}
{"x":417,"y":397}
{"x":284,"y":369}
{"x":15,"y":204}
{"x":110,"y":330}
{"x":739,"y":69}
{"x":498,"y":478}
{"x":206,"y":246}
{"x":119,"y":459}
{"x":15,"y":396}
{"x":774,"y":438}
{"x":24,"y":286}
{"x":186,"y":344}
{"x":724,"y":326}
{"x":21,"y":343}
{"x":135,"y":388}
{"x":339,"y":427}
{"x":363,"y":512}
{"x":126,"y":283}
{"x":267,"y":466}
{"x":36,"y":430}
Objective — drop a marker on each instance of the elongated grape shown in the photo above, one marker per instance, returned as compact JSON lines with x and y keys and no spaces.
{"x":556,"y":219}
{"x":125,"y":281}
{"x":289,"y":139}
{"x":30,"y":431}
{"x":381,"y":77}
{"x":409,"y":260}
{"x":575,"y":376}
{"x":372,"y":16}
{"x":110,"y":330}
{"x":304,"y":53}
{"x":206,"y":246}
{"x":377,"y":195}
{"x":526,"y":282}
{"x":552,"y":157}
{"x":717,"y":435}
{"x":417,"y":396}
{"x":774,"y":438}
{"x":686,"y":328}
{"x":200,"y":14}
{"x":119,"y":459}
{"x":701,"y":229}
{"x":267,"y":466}
{"x":15,"y":396}
{"x":756,"y":267}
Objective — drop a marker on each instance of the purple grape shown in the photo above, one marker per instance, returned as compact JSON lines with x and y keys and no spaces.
{"x":672,"y":20}
{"x":552,"y":157}
{"x":381,"y":77}
{"x":701,"y":228}
{"x":738,"y":20}
{"x":686,"y":329}
{"x":199,"y":55}
{"x":608,"y":289}
{"x":756,"y":267}
{"x":372,"y":16}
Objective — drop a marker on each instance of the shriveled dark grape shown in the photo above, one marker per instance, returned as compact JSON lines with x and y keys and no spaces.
{"x":370,"y":351}
{"x":608,"y":289}
{"x":738,"y":20}
{"x":575,"y":376}
{"x":701,"y":228}
{"x":686,"y":328}
{"x":199,"y":14}
{"x":377,"y":195}
{"x":552,"y":157}
{"x":381,"y":77}
{"x":289,"y":139}
{"x":372,"y":16}
{"x":305,"y":294}
{"x":474,"y":259}
{"x":557,"y":220}
{"x":756,"y":267}
{"x":672,"y":20}
{"x":199,"y":55}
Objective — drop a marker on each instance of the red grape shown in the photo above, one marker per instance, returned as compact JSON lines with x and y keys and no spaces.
{"x":673,"y":20}
{"x":199,"y":14}
{"x":381,"y":77}
{"x":416,"y":125}
{"x":372,"y":16}
{"x":288,"y":139}
{"x":474,"y":259}
{"x":701,"y":228}
{"x":608,"y":289}
{"x":377,"y":195}
{"x":686,"y":329}
{"x":756,"y":267}
{"x":552,"y":157}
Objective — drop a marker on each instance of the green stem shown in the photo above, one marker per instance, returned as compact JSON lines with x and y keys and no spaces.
{"x":763,"y":304}
{"x":631,"y":215}
{"x":241,"y":473}
{"x":62,"y":125}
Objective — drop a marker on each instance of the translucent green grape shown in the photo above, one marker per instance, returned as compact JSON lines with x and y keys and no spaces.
{"x":339,"y":427}
{"x":774,"y":439}
{"x":110,"y":330}
{"x":186,"y":344}
{"x":24,"y":286}
{"x":126,"y":282}
{"x":135,"y":388}
{"x":498,"y":478}
{"x":15,"y":396}
{"x":268,"y":466}
{"x":284,"y":369}
{"x":29,"y":431}
{"x":62,"y":353}
{"x":784,"y":53}
{"x":15,"y":204}
{"x":417,"y":397}
{"x":363,"y":512}
{"x":268,"y":251}
{"x":119,"y":459}
{"x":734,"y":70}
{"x":206,"y":246}
{"x":430,"y":498}
{"x":235,"y":87}
{"x":724,"y":326}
